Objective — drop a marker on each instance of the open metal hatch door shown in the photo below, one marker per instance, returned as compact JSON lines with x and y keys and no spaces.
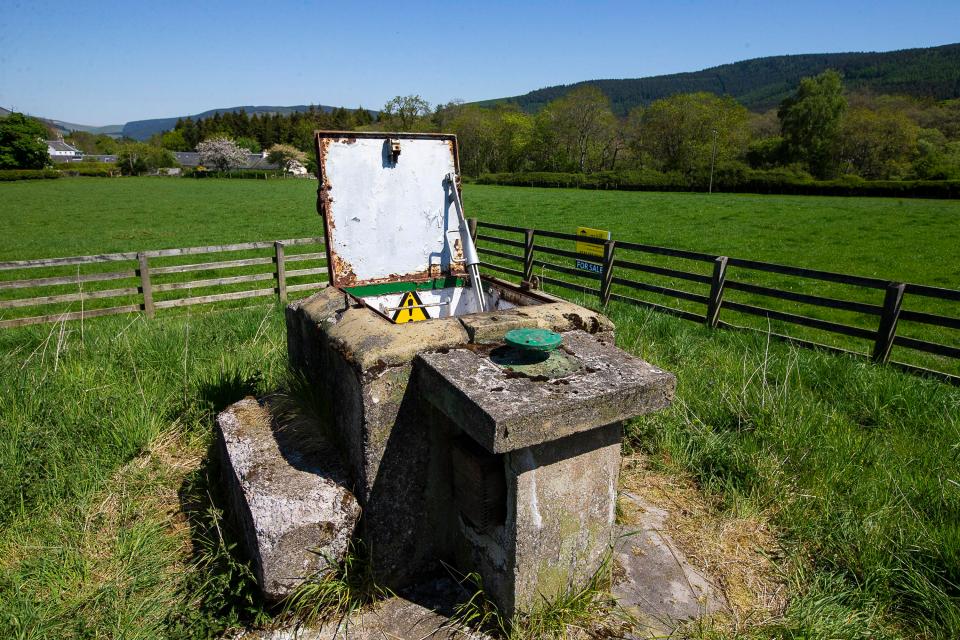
{"x":387,"y":208}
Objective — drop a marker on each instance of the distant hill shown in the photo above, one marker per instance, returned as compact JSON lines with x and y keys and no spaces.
{"x":761,"y":83}
{"x":64,"y":128}
{"x":114,"y":130}
{"x":143,"y":129}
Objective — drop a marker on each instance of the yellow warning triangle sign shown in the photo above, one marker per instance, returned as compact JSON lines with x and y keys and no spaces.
{"x":410,"y":309}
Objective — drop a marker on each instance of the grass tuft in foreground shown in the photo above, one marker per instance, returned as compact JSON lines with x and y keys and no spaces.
{"x":586,"y":609}
{"x":338,"y":594}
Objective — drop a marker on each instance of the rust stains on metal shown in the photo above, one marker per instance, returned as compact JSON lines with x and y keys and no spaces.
{"x":323,"y":204}
{"x":457,"y":251}
{"x":342,"y":271}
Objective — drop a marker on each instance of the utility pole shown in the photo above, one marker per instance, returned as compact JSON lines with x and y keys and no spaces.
{"x":713,"y":159}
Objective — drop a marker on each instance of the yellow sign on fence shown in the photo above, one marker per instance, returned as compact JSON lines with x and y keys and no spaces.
{"x":589,"y":248}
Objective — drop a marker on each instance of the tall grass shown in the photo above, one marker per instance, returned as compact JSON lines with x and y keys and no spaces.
{"x":857,"y":466}
{"x":586,"y":610}
{"x":108,"y":517}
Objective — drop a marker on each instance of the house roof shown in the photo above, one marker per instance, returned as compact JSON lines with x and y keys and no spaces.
{"x":254,"y":160}
{"x":60,"y":145}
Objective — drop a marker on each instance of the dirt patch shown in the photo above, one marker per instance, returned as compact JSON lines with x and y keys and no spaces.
{"x":739,"y":554}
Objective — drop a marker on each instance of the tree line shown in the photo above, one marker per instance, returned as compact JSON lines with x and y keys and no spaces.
{"x":762,"y":83}
{"x":819,"y":131}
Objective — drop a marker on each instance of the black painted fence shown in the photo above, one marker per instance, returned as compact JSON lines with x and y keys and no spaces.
{"x":623,"y":261}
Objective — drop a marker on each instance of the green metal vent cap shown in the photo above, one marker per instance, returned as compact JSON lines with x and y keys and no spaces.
{"x":533,"y":339}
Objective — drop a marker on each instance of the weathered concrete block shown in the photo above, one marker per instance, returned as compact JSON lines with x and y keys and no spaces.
{"x":505,"y":412}
{"x":398,"y":459}
{"x":288,"y":496}
{"x":557,"y":443}
{"x":561,"y":505}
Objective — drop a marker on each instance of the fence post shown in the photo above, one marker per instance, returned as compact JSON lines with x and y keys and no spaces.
{"x":892,"y":302}
{"x":717,"y":281}
{"x":145,"y":288}
{"x":527,"y":259}
{"x":608,"y":249}
{"x":472,"y":226}
{"x":280,"y":271}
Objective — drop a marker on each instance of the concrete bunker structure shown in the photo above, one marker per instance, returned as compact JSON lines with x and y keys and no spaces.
{"x":458,"y":449}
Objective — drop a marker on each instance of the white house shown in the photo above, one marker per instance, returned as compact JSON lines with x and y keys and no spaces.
{"x":60,"y":151}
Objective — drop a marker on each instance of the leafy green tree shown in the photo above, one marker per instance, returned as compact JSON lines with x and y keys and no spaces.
{"x":544,"y":151}
{"x":936,"y":158}
{"x":475,"y":130}
{"x":362,"y":117}
{"x":514,"y":133}
{"x":174,"y":140}
{"x":190,"y":131}
{"x":810,"y":122}
{"x":83,"y":140}
{"x":877,"y":144}
{"x":249,"y":144}
{"x":404,"y":113}
{"x":584,"y":125}
{"x":688,"y":131}
{"x":23,"y":143}
{"x":766,"y":153}
{"x":105,"y":145}
{"x":285,"y":155}
{"x":634,"y":139}
{"x":136,"y":158}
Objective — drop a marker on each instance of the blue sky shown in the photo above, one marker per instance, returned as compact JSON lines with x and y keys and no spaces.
{"x":109,"y":62}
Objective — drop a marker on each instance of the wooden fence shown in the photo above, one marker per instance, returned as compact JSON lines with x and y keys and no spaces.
{"x":150,"y":280}
{"x":154,"y":280}
{"x":621,"y":260}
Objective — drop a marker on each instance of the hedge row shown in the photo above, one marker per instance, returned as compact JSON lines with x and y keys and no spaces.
{"x":89,"y":169}
{"x":750,"y":181}
{"x":249,"y":174}
{"x":9,"y":175}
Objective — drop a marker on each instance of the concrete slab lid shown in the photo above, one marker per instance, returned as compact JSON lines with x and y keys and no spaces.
{"x":504,"y":411}
{"x":389,"y":216}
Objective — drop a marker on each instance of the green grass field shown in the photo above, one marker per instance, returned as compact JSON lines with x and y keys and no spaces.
{"x":899,"y":239}
{"x":108,"y":519}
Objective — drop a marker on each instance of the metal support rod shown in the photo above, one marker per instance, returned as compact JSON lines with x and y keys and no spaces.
{"x":417,"y":306}
{"x":470,"y":256}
